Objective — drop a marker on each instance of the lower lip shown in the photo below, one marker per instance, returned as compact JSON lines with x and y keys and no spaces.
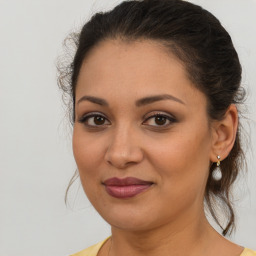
{"x":126,"y":191}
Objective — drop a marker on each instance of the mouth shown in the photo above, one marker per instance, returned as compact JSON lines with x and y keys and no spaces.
{"x":127,"y":187}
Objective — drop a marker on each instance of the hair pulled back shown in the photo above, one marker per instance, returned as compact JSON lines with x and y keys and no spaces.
{"x":198,"y":39}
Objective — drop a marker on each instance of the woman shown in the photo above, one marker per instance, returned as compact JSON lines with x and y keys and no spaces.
{"x":154,"y":86}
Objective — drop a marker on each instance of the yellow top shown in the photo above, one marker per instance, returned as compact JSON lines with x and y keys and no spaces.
{"x":94,"y":249}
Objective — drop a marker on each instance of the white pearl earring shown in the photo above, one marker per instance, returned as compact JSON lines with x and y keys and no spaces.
{"x":217,"y":174}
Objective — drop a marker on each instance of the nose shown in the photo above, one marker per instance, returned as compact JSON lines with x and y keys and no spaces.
{"x":124,"y":149}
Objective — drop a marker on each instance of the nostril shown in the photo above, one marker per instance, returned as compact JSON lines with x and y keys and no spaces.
{"x":123,"y":151}
{"x":122,"y":160}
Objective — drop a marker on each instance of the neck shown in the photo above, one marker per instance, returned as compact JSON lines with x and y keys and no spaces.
{"x":177,"y":239}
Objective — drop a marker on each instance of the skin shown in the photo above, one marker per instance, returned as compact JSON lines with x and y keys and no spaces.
{"x":129,"y":142}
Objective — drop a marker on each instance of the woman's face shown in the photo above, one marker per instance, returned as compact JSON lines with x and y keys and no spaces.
{"x":139,"y":117}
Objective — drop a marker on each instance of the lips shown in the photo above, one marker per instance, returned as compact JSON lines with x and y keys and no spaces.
{"x":126,"y":188}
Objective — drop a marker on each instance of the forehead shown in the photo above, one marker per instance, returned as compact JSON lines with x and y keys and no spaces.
{"x":130,"y":59}
{"x":133,"y":70}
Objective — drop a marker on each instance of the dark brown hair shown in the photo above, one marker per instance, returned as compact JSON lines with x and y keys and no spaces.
{"x":199,"y":40}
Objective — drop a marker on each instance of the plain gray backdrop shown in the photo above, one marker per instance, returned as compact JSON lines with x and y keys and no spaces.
{"x":36,"y":160}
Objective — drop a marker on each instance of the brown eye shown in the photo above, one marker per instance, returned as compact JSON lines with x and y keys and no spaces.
{"x":160,"y":120}
{"x":94,"y":120}
{"x":99,"y":120}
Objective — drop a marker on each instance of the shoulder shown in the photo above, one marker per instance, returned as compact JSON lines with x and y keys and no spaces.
{"x":92,"y":250}
{"x":248,"y":252}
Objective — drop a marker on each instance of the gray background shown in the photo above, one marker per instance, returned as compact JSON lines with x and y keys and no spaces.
{"x":36,"y":160}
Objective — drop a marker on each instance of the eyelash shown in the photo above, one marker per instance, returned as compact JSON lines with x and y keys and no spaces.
{"x":171,"y":119}
{"x":86,"y":117}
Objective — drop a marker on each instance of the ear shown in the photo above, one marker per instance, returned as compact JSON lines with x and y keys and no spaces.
{"x":224,"y":134}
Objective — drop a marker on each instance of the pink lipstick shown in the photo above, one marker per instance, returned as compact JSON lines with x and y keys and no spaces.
{"x":126,"y":188}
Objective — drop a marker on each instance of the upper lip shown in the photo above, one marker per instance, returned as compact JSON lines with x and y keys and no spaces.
{"x":125,"y":181}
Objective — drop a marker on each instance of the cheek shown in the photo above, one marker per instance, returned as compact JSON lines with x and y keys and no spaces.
{"x":182,"y":161}
{"x":87,"y":153}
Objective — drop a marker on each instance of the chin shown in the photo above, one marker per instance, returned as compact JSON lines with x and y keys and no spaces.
{"x":130,"y":224}
{"x":130,"y":219}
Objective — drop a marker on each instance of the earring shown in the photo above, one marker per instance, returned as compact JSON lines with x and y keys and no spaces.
{"x":217,"y":174}
{"x":218,"y":163}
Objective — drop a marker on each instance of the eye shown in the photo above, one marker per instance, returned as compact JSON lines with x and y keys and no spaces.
{"x":160,"y":120}
{"x":94,"y":119}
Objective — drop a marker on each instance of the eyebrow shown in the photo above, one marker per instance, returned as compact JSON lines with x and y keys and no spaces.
{"x":138,"y":103}
{"x":93,"y":99}
{"x":151,"y":99}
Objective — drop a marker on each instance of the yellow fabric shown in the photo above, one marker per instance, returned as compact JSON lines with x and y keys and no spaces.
{"x":94,"y":249}
{"x":248,"y":252}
